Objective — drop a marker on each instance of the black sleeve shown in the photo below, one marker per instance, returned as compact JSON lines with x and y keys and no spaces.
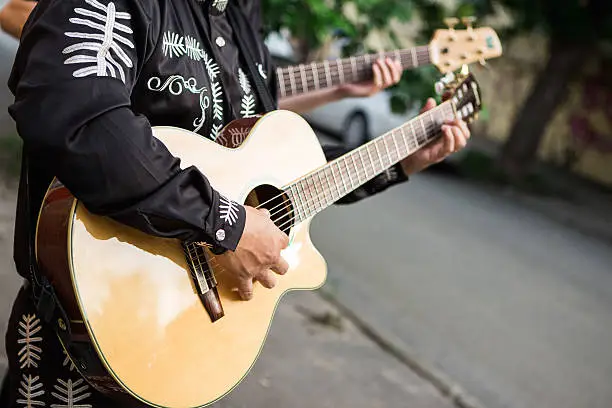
{"x":392,"y":176}
{"x":72,"y":80}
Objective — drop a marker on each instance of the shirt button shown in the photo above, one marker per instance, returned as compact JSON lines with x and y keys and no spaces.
{"x":220,"y":234}
{"x":220,"y":41}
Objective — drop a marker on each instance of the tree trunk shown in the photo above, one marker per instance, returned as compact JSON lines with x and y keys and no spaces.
{"x":549,"y":91}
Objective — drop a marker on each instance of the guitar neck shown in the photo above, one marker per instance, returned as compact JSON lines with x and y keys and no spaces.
{"x":326,"y":185}
{"x":295,"y":80}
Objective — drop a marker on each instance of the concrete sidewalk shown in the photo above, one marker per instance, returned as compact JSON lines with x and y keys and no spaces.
{"x":315,"y":357}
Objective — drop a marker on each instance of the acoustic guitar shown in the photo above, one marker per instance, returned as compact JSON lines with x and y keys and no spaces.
{"x":448,"y":50}
{"x":160,"y":315}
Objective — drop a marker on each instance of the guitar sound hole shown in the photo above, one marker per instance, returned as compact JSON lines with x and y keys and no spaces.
{"x":277,"y":202}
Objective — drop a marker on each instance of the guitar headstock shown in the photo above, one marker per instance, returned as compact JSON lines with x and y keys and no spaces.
{"x":451,"y":48}
{"x":464,"y":93}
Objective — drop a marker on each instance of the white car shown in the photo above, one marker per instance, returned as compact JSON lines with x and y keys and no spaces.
{"x":354,"y":120}
{"x":358,"y":120}
{"x":8,"y":48}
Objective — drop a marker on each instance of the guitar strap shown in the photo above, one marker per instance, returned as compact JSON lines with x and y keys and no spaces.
{"x":49,"y":309}
{"x":241,"y":26}
{"x":46,"y":302}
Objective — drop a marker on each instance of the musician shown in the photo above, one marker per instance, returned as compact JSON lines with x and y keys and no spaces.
{"x":91,"y":77}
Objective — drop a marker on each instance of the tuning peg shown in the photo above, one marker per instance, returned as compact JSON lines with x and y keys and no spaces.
{"x":440,"y":87}
{"x":484,"y":64}
{"x":468,"y":21}
{"x":451,"y":22}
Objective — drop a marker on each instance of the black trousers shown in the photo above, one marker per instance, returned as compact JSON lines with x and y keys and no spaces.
{"x":40,"y":374}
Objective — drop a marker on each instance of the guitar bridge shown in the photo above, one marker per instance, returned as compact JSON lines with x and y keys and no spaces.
{"x":204,"y":280}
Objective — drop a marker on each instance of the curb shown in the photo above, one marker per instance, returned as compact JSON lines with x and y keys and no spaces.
{"x":447,"y":387}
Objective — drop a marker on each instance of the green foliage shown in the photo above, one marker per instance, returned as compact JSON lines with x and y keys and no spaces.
{"x":314,"y":21}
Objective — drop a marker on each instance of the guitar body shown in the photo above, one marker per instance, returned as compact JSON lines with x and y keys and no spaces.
{"x":134,"y":294}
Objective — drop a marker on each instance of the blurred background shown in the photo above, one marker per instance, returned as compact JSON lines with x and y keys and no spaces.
{"x":486,"y":281}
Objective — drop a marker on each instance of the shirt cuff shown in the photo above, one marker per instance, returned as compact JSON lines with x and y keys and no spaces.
{"x":395,"y":174}
{"x":225,"y":223}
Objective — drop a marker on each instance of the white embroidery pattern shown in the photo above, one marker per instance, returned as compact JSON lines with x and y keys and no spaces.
{"x":262,"y":72}
{"x":176,"y":85}
{"x":70,"y":393}
{"x":28,"y":327}
{"x":248,"y":98}
{"x":216,"y":129}
{"x":244,"y":81}
{"x":228,"y":210}
{"x":30,"y":389}
{"x":68,"y":361}
{"x":220,"y":4}
{"x":174,"y":46}
{"x":236,"y":137}
{"x":105,"y":38}
{"x":193,"y":50}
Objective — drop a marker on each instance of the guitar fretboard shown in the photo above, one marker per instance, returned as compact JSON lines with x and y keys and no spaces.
{"x":295,"y":80}
{"x":323,"y":187}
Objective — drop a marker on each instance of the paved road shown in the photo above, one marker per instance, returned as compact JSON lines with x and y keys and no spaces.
{"x":514,"y":308}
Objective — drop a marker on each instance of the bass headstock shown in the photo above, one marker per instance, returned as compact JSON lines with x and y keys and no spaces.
{"x":451,"y":48}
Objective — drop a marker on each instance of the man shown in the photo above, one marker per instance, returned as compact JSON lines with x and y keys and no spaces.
{"x":90,"y":79}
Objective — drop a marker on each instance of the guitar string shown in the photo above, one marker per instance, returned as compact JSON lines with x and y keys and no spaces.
{"x":288,"y":224}
{"x":305,"y":72}
{"x":310,"y":199}
{"x":329,"y":167}
{"x":346,"y":66}
{"x":333,"y":68}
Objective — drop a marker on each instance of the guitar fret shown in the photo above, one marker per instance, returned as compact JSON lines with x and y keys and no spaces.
{"x":336,"y":184}
{"x":398,"y":55}
{"x":316,"y":198}
{"x":357,"y":172}
{"x":397,"y":150}
{"x":303,"y":75}
{"x":382,"y":166}
{"x":317,"y":191}
{"x":331,"y":188}
{"x":342,"y":178}
{"x":415,"y":62}
{"x":340,"y":70}
{"x":292,"y":80}
{"x":414,"y":134}
{"x":348,"y":173}
{"x":296,"y":208}
{"x":363,"y":164}
{"x":327,"y":73}
{"x":302,"y":208}
{"x":384,"y":139}
{"x":354,"y":67}
{"x":303,"y":197}
{"x":325,"y":199}
{"x":405,"y":141}
{"x":315,"y":73}
{"x":281,"y":80}
{"x":371,"y":159}
{"x":424,"y":129}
